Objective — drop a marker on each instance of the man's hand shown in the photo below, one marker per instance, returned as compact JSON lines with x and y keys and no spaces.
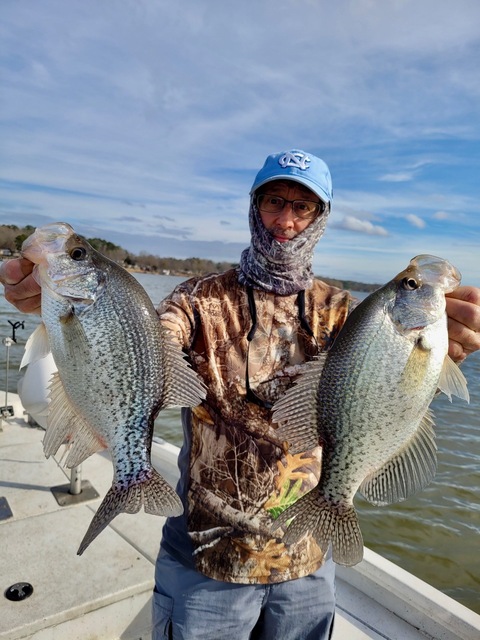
{"x":21,"y":289}
{"x":463,"y":311}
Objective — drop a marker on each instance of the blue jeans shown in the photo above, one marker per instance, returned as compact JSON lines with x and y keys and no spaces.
{"x":190,"y":606}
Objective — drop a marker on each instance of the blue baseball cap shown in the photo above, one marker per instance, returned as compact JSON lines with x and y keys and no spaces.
{"x":299,"y":166}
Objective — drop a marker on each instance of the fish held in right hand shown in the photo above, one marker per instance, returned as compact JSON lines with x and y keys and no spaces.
{"x":117,"y":368}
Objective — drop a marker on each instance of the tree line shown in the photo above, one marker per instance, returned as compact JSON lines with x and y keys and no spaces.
{"x":12,"y":237}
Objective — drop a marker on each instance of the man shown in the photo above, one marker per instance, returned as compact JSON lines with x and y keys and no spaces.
{"x":248,"y":333}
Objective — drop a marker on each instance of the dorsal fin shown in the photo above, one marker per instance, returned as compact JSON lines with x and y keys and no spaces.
{"x":296,"y":412}
{"x":184,"y":388}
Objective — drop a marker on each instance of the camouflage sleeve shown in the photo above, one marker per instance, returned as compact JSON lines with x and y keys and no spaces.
{"x":177,"y":315}
{"x":353,"y":303}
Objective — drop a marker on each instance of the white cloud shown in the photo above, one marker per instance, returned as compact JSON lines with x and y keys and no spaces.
{"x":415,"y":221}
{"x":133,"y":111}
{"x":441,"y":215}
{"x":350,"y":223}
{"x":397,"y":177}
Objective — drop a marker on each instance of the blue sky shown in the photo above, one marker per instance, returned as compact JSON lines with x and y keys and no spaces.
{"x":144,"y":122}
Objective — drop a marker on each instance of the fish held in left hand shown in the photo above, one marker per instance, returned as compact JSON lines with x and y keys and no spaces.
{"x":117,"y":368}
{"x":367,"y":403}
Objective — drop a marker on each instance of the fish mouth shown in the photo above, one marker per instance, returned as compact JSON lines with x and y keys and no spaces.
{"x":432,"y":270}
{"x":51,"y":237}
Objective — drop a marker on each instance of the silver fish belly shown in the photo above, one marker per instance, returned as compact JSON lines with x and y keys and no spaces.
{"x":367,"y":403}
{"x":117,"y":368}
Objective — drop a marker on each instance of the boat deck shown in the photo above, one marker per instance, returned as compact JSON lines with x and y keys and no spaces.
{"x":106,"y":593}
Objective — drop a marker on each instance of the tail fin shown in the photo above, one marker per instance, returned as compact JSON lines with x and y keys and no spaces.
{"x":154,"y":493}
{"x":327,"y":522}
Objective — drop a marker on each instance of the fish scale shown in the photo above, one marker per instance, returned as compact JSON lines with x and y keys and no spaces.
{"x":370,"y":406}
{"x":117,"y":368}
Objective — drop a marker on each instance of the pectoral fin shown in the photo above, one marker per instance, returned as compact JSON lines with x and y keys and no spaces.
{"x":452,"y":381}
{"x":75,"y":339}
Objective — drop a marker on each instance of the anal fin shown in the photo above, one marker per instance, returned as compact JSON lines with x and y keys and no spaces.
{"x":408,"y":471}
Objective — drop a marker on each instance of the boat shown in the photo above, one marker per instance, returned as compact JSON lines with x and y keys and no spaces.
{"x":106,"y":593}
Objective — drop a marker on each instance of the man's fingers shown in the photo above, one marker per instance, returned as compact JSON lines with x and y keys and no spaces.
{"x":14,"y":271}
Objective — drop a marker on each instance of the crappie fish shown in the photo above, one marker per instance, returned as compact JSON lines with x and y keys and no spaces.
{"x":367,"y":403}
{"x":117,"y":368}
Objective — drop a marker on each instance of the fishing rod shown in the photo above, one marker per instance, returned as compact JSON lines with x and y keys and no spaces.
{"x":7,"y":410}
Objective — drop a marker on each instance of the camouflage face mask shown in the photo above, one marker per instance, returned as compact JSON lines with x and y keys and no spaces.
{"x":283,"y":268}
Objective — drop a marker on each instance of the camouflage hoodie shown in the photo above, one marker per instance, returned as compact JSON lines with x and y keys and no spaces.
{"x":235,"y":473}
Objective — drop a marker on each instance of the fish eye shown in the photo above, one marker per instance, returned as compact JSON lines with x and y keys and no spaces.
{"x":78,"y":253}
{"x":410,"y":283}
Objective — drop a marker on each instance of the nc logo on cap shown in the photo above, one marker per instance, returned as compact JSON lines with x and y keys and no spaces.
{"x":296,"y":159}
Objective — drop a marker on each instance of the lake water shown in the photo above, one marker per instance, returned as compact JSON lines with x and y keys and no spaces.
{"x":434,"y":535}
